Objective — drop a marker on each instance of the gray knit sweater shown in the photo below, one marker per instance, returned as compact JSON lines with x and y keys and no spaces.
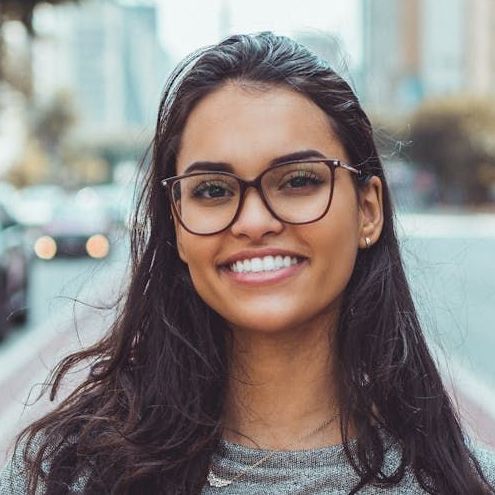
{"x":309,"y":472}
{"x":323,"y":471}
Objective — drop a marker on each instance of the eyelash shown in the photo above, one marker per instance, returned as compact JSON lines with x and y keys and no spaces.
{"x":203,"y":186}
{"x":305,"y":175}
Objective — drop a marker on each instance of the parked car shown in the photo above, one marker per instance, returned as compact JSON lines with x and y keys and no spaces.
{"x":118,"y":200}
{"x":35,"y":205}
{"x":14,"y":272}
{"x":78,"y":228}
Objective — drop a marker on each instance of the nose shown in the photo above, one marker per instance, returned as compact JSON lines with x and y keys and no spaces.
{"x":255,"y":220}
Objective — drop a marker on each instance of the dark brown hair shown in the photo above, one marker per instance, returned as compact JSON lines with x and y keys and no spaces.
{"x":148,"y":416}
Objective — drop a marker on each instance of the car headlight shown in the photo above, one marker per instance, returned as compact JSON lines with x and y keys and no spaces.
{"x":45,"y":247}
{"x":98,"y":246}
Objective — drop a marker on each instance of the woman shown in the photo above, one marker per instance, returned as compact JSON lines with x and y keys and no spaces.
{"x":268,"y":342}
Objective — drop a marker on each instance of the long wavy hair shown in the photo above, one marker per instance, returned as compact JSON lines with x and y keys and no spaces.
{"x":149,"y":414}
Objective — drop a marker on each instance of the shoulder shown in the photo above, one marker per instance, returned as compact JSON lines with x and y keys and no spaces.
{"x":14,"y":475}
{"x":486,"y":459}
{"x":409,"y":484}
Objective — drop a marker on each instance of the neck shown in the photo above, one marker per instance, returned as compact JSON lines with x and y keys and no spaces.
{"x":281,"y":392}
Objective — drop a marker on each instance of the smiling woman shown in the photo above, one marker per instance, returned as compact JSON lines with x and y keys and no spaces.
{"x":269,"y":342}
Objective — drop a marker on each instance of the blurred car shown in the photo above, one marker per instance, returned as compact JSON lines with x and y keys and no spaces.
{"x":8,"y":196}
{"x":78,"y":228}
{"x":119,"y":200}
{"x":35,"y":205}
{"x":14,"y":272}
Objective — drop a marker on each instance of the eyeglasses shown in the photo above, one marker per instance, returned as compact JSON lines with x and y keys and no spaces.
{"x":295,"y":192}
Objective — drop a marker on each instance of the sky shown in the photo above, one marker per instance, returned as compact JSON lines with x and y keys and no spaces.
{"x":186,"y":25}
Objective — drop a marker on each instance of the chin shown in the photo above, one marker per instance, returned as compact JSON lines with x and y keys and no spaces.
{"x":261,"y":327}
{"x":269,"y":314}
{"x":271,"y":322}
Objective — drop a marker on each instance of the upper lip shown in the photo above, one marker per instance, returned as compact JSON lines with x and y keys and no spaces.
{"x":259,"y":253}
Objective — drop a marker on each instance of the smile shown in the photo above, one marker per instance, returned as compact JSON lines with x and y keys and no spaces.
{"x":265,"y":264}
{"x":260,"y":271}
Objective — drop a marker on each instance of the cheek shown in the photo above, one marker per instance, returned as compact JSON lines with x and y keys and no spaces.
{"x":335,"y":256}
{"x":199,"y":254}
{"x":335,"y":243}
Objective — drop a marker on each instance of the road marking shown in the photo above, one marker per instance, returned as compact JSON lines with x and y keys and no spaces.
{"x":446,"y":226}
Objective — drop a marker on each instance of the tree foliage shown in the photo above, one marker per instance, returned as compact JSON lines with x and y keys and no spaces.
{"x":455,"y":139}
{"x":22,"y":10}
{"x":19,"y":10}
{"x":54,"y":120}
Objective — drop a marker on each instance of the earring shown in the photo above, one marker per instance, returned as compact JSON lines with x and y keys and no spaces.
{"x":367,"y":240}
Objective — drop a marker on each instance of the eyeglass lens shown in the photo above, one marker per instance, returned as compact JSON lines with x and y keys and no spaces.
{"x":296,"y":193}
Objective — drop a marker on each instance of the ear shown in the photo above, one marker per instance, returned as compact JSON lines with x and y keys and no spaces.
{"x":370,"y":199}
{"x":179,"y":232}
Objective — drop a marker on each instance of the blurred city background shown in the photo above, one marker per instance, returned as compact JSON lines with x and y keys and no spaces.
{"x":80,"y":83}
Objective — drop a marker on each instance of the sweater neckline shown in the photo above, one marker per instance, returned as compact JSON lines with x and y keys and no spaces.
{"x":234,"y":457}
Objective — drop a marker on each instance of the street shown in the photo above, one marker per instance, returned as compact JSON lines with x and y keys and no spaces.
{"x":68,"y":298}
{"x":449,"y":263}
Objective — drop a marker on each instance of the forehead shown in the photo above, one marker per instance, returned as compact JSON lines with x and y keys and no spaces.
{"x":248,"y":126}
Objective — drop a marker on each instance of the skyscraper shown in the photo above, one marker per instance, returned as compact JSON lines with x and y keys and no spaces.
{"x":391,"y":62}
{"x":425,"y":48}
{"x":107,"y":54}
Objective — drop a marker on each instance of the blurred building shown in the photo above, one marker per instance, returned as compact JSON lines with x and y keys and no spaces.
{"x":479,"y":20}
{"x":391,"y":52}
{"x":415,"y":49}
{"x":107,"y":54}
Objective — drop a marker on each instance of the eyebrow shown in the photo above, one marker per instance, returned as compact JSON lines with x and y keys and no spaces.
{"x":208,"y":166}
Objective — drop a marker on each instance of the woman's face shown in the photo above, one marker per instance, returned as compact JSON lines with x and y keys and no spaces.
{"x":247,"y":128}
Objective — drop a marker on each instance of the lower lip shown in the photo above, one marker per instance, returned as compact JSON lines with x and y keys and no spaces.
{"x":264,"y":278}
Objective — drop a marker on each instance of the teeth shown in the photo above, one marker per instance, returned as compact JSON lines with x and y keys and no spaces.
{"x":266,"y":264}
{"x":256,"y":265}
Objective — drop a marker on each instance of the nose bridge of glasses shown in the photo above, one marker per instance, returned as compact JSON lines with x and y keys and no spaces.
{"x":255,"y":184}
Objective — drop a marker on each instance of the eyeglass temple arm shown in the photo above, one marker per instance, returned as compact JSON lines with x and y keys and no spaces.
{"x":351,"y":169}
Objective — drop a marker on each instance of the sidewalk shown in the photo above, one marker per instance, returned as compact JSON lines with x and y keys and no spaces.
{"x":26,"y":365}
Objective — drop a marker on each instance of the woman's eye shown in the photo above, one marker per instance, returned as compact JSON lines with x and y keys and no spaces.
{"x":210,"y":190}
